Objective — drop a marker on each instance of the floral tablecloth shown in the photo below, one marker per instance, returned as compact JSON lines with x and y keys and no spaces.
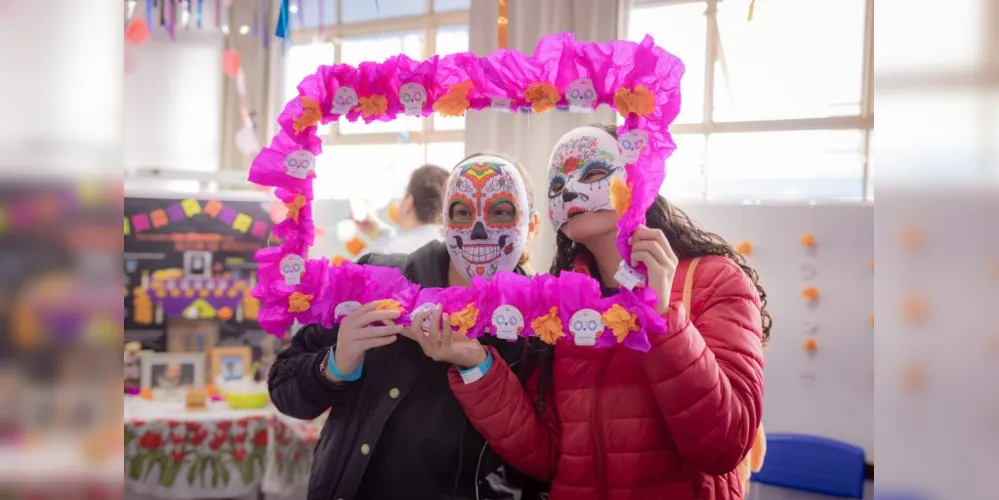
{"x":215,"y":453}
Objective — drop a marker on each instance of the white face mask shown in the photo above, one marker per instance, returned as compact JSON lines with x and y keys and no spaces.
{"x":580,"y":171}
{"x":486,"y":215}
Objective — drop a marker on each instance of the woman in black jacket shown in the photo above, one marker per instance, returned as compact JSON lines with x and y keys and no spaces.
{"x":395,"y":430}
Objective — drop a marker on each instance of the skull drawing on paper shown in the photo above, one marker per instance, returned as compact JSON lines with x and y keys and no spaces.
{"x":508,"y":322}
{"x":292,"y":268}
{"x":486,"y":215}
{"x":413,"y":97}
{"x":632,"y":143}
{"x":424,"y":308}
{"x":344,"y":100}
{"x":344,"y":308}
{"x":580,"y":171}
{"x":299,"y":163}
{"x":581,"y":95}
{"x":585,"y":326}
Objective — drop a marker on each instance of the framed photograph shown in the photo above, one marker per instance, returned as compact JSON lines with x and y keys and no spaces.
{"x":169,"y":375}
{"x":231,"y":363}
{"x":191,"y":335}
{"x":197,"y":264}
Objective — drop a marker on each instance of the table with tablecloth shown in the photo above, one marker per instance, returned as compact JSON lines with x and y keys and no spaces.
{"x":171,"y":452}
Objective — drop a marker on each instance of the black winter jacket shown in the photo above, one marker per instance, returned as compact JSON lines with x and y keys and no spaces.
{"x":362,"y":412}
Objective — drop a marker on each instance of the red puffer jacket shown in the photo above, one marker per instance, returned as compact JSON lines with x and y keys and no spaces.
{"x":670,"y":424}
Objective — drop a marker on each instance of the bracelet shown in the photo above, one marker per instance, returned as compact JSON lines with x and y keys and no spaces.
{"x":476,"y":372}
{"x":346,"y":377}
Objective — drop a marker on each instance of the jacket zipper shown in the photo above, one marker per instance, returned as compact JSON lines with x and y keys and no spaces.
{"x":598,"y":434}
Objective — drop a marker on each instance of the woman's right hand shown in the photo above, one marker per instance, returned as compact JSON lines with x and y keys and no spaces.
{"x":363,"y":329}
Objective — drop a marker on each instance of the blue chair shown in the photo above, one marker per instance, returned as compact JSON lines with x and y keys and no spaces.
{"x":813,"y":464}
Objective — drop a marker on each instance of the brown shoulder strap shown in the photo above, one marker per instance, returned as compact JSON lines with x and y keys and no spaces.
{"x":688,"y":284}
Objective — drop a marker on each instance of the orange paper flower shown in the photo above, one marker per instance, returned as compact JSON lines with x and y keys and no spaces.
{"x":543,"y":96}
{"x":639,"y":101}
{"x":337,"y":260}
{"x":548,"y":328}
{"x":913,"y":238}
{"x":810,"y":344}
{"x":376,"y":105}
{"x":311,"y":115}
{"x":455,"y":101}
{"x":388,"y":305}
{"x":225,"y":314}
{"x":393,"y":212}
{"x":807,"y":240}
{"x":914,"y":308}
{"x":745,"y":247}
{"x":299,"y":302}
{"x":464,"y":319}
{"x":620,"y":196}
{"x":355,"y":246}
{"x":810,"y":293}
{"x":295,"y":207}
{"x":620,"y":321}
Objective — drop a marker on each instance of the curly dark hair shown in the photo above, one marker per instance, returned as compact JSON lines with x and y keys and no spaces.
{"x":687,"y":239}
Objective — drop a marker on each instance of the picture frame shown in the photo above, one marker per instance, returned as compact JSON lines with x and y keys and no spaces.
{"x":169,"y":375}
{"x":231,"y":362}
{"x":197,"y":264}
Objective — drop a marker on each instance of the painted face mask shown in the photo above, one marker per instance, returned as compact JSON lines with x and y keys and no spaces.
{"x":486,"y":214}
{"x":580,"y":170}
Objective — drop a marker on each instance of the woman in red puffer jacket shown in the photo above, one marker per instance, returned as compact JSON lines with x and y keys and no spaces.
{"x":670,"y":424}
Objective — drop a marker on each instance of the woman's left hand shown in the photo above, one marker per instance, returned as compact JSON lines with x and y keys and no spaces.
{"x":649,"y":247}
{"x":441,"y":343}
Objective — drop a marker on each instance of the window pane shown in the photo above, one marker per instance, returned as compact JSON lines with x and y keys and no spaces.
{"x":822,"y":164}
{"x":302,"y":61}
{"x":451,"y":39}
{"x":445,"y":154}
{"x":797,"y":58}
{"x":681,"y":30}
{"x":355,"y":11}
{"x":311,"y":13}
{"x":960,"y":48}
{"x":378,"y":48}
{"x":451,"y":5}
{"x":375,"y":172}
{"x":684,"y":169}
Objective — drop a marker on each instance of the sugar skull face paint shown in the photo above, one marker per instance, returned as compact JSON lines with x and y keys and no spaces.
{"x":580,"y":170}
{"x":486,"y":216}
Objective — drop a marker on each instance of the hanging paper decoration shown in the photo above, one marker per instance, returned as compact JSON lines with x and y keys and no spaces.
{"x":501,"y":21}
{"x":231,"y":63}
{"x":281,"y":31}
{"x":548,"y":307}
{"x":137,"y":32}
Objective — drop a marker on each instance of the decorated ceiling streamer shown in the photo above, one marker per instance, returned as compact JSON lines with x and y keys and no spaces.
{"x":640,"y":80}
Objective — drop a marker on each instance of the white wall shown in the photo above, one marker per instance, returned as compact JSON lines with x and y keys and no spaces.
{"x":173,"y":101}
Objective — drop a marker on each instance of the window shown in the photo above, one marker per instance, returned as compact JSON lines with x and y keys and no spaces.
{"x":774,"y":108}
{"x":345,"y":31}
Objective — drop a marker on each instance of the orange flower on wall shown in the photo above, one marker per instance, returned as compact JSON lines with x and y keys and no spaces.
{"x":355,"y":246}
{"x":542,"y":96}
{"x":810,"y":293}
{"x":455,"y":101}
{"x":745,"y":247}
{"x":807,"y":240}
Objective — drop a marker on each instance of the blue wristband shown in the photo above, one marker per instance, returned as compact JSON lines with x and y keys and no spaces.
{"x":346,"y":377}
{"x":476,"y":372}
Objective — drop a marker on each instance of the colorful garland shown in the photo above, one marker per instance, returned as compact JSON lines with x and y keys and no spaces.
{"x":640,"y":80}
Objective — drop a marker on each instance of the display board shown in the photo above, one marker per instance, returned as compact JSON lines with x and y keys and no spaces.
{"x":815,"y":262}
{"x":189,"y":270}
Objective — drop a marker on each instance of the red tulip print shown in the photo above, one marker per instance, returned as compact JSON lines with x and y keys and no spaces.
{"x":238,"y":454}
{"x":151,"y":441}
{"x":260,"y":438}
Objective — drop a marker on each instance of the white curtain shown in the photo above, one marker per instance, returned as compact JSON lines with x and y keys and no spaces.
{"x":530,"y":138}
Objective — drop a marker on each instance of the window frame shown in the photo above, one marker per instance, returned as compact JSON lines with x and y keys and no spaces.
{"x":863,"y":122}
{"x":428,"y":23}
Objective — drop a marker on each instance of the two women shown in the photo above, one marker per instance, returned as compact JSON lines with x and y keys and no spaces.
{"x":395,"y":429}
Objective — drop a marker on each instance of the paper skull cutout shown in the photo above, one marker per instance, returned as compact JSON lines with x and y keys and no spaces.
{"x":508,"y":322}
{"x":585,"y":325}
{"x":413,"y":96}
{"x":292,"y":268}
{"x":344,"y":308}
{"x":501,"y":104}
{"x":428,"y":307}
{"x":344,"y":100}
{"x":581,"y":95}
{"x":299,"y":163}
{"x":631,"y":144}
{"x":628,"y":276}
